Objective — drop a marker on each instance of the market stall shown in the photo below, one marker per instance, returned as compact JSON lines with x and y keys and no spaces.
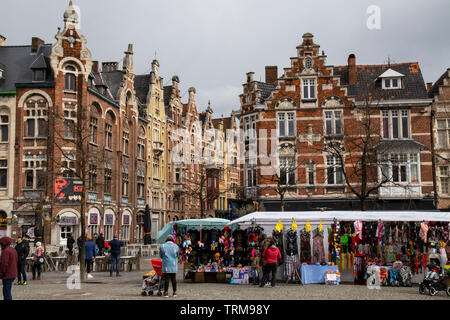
{"x":394,"y":241}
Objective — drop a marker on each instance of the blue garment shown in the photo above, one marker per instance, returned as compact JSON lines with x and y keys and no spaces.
{"x":115,"y":259}
{"x":7,"y":286}
{"x":169,"y":252}
{"x":90,"y":250}
{"x":115,"y":246}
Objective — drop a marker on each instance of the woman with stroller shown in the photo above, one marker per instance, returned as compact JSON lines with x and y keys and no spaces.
{"x":169,"y":254}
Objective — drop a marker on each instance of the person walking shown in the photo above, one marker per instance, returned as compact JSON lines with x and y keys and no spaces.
{"x":8,"y":266}
{"x":169,"y":253}
{"x":100,"y":244}
{"x":89,"y":256}
{"x":115,"y":245}
{"x":23,"y":250}
{"x":80,"y":242}
{"x":271,"y":256}
{"x":38,"y":260}
{"x":70,"y":243}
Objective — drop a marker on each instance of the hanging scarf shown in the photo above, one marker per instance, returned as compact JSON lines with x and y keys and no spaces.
{"x":358,"y":228}
{"x":423,"y":231}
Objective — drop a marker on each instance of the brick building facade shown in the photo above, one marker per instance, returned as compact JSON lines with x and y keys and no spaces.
{"x":312,"y":107}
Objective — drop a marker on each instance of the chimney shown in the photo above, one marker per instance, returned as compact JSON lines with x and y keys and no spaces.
{"x":271,"y":74}
{"x":175,"y":81}
{"x":250,"y":76}
{"x":2,"y":41}
{"x":110,"y":66}
{"x":429,"y":85}
{"x":351,"y":68}
{"x":191,"y":94}
{"x":36,"y":43}
{"x":95,"y":66}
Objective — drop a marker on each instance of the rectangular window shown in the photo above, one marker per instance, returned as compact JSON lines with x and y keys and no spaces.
{"x":125,"y":143}
{"x":334,"y":170}
{"x":286,"y":124}
{"x":443,"y":128}
{"x":281,"y":125}
{"x":387,"y":83}
{"x":386,"y":125}
{"x":30,"y":128}
{"x":333,"y":123}
{"x":405,"y":123}
{"x":40,"y":179}
{"x":395,"y":126}
{"x":3,"y":173}
{"x":4,"y":127}
{"x":69,"y":129}
{"x":108,"y":135}
{"x":39,"y":75}
{"x":287,"y":171}
{"x":108,"y":179}
{"x":29,"y":179}
{"x":309,"y":88}
{"x":444,"y":179}
{"x":93,"y":126}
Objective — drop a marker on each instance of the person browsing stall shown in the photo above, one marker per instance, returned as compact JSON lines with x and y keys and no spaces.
{"x":169,"y":254}
{"x":271,"y":256}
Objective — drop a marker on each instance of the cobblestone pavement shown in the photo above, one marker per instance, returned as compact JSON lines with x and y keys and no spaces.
{"x":128,"y":287}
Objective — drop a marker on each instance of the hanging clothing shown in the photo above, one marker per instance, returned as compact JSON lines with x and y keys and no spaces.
{"x":318,"y":248}
{"x":305,"y":246}
{"x":423,"y":231}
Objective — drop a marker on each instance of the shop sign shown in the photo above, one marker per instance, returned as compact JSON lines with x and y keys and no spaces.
{"x":109,"y":219}
{"x":93,"y":218}
{"x":68,"y":190}
{"x":68,"y":221}
{"x":3,"y":222}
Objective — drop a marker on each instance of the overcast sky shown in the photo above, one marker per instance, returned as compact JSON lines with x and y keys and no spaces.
{"x":211,"y":44}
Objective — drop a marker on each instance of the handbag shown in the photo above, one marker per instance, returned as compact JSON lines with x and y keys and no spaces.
{"x":40,"y":260}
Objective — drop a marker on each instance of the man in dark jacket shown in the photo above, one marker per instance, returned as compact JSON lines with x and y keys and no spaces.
{"x":100,"y":244}
{"x":70,"y":242}
{"x":8,"y":266}
{"x":115,"y":245}
{"x":23,"y":250}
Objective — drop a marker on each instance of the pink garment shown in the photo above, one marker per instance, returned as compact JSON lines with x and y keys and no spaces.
{"x":423,"y":231}
{"x":380,"y":231}
{"x":358,"y":228}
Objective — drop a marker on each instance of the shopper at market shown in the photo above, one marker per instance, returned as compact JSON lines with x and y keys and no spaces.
{"x":115,"y":245}
{"x":8,"y":266}
{"x":23,"y":250}
{"x":169,"y":253}
{"x":70,"y":242}
{"x":89,"y":256}
{"x":100,"y":244}
{"x":38,"y":260}
{"x":271,"y":256}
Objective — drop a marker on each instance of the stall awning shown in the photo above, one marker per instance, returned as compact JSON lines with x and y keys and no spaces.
{"x":192,"y":224}
{"x":328,"y":216}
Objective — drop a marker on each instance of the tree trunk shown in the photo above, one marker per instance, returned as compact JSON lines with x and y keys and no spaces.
{"x":282,"y":202}
{"x":362,"y":201}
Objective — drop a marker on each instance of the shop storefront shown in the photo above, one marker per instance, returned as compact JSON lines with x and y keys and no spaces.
{"x":68,"y":223}
{"x":3,"y":224}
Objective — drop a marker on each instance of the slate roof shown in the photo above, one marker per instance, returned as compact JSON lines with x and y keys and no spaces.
{"x":167,"y":94}
{"x":366,"y":77}
{"x":15,"y":61}
{"x":266,"y":89}
{"x":141,"y":85}
{"x":113,"y":80}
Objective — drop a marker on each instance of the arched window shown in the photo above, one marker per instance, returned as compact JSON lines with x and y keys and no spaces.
{"x":70,"y":78}
{"x":126,"y":222}
{"x":35,"y":117}
{"x":110,"y":120}
{"x":93,"y":221}
{"x":93,"y":124}
{"x":109,"y":224}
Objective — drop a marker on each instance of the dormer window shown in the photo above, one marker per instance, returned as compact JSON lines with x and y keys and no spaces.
{"x":39,"y":75}
{"x":392,"y":83}
{"x":308,"y":63}
{"x":391,"y":79}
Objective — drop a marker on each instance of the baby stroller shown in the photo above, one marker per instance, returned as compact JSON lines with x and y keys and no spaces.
{"x":435,"y":279}
{"x":153,"y":280}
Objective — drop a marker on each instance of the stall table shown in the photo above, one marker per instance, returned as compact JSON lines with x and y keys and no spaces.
{"x":315,"y":273}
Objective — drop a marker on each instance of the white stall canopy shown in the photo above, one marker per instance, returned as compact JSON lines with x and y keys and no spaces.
{"x":270,"y":218}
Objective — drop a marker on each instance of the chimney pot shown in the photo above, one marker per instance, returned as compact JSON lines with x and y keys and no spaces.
{"x":36,"y":43}
{"x":110,"y":66}
{"x":95,"y":66}
{"x":352,"y":68}
{"x":271,"y":74}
